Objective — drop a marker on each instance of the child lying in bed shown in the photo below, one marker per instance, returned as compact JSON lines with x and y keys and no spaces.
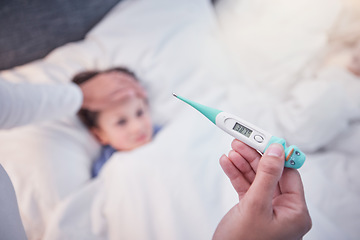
{"x":122,"y":127}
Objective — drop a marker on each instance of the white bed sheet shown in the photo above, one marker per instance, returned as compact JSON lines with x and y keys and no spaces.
{"x":173,"y":188}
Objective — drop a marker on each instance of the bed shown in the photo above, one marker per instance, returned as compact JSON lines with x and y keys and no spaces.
{"x":276,"y":63}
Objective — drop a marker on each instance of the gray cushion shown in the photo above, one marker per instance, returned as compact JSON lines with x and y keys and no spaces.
{"x":30,"y":29}
{"x":11,"y":226}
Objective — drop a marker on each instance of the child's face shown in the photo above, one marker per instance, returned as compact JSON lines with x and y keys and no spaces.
{"x":125,"y":126}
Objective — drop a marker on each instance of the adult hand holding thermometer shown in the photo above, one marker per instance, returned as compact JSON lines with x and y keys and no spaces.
{"x":248,"y":133}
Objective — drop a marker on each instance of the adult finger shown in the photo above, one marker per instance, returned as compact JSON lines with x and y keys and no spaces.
{"x":251,"y":156}
{"x":243,"y":165}
{"x":115,"y":80}
{"x":135,"y":86}
{"x":140,"y":91}
{"x":119,"y":90}
{"x":290,"y":183}
{"x":268,"y":175}
{"x":129,"y":81}
{"x":237,"y":179}
{"x":120,"y":94}
{"x":248,"y":153}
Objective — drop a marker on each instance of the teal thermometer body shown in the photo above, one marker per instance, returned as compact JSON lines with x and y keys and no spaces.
{"x":248,"y":133}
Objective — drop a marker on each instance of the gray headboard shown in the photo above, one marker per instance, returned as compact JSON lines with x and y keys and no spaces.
{"x":30,"y":29}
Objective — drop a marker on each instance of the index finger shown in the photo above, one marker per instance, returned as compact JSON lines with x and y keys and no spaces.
{"x":248,"y":153}
{"x":128,"y":81}
{"x":237,"y":178}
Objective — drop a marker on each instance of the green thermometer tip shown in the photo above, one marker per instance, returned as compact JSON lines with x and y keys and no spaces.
{"x":208,"y":112}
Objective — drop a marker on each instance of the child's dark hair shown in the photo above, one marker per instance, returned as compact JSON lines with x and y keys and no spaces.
{"x":89,"y":118}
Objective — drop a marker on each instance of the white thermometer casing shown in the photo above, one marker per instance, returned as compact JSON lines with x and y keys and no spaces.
{"x":257,"y":138}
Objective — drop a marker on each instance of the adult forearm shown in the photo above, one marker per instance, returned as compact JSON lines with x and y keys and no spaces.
{"x":24,"y":103}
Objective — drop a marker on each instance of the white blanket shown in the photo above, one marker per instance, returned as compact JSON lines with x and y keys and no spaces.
{"x":174,"y":188}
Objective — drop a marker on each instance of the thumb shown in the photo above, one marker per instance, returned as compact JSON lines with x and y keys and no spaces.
{"x":268,"y":175}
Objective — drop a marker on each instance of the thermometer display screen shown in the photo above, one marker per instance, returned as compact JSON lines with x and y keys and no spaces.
{"x":243,"y":130}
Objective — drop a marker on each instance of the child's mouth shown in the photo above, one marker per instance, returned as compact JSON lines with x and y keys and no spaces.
{"x":141,"y":138}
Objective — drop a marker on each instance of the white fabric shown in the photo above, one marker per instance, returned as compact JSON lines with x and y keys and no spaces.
{"x":274,"y":45}
{"x":177,"y":192}
{"x":24,"y":103}
{"x":32,"y":155}
{"x":271,"y":41}
{"x":173,"y":188}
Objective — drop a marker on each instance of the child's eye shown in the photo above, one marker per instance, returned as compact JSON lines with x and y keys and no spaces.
{"x":139,"y":113}
{"x":122,"y":122}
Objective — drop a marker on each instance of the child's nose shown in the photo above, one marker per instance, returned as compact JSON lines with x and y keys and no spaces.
{"x":136,"y":126}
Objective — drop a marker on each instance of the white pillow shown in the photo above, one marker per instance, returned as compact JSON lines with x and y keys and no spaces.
{"x":172,"y":46}
{"x":46,"y":163}
{"x":272,"y":41}
{"x":278,"y":46}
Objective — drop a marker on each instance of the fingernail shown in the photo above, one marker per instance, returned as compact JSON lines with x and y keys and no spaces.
{"x":275,"y":150}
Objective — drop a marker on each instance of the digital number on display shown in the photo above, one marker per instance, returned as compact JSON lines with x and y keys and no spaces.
{"x":243,"y":130}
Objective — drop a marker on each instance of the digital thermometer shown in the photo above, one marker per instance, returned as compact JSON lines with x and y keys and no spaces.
{"x":248,"y":133}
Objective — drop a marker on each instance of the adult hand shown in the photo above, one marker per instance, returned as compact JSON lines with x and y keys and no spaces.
{"x":272,"y":202}
{"x":109,"y":88}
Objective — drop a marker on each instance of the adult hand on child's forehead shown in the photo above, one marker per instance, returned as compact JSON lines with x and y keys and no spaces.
{"x":106,"y":89}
